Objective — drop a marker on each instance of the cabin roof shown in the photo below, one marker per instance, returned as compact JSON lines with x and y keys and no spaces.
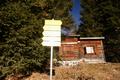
{"x":92,"y":38}
{"x":78,"y":36}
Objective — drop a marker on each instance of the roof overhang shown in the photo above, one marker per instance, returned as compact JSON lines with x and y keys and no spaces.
{"x":92,"y":38}
{"x":73,"y":36}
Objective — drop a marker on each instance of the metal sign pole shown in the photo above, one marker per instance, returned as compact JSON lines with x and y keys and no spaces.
{"x":51,"y":62}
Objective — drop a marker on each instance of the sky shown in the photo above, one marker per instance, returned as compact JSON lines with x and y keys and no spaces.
{"x":76,"y":11}
{"x":75,"y":14}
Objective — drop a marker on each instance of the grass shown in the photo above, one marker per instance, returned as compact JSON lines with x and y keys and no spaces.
{"x":108,"y":71}
{"x":89,"y":72}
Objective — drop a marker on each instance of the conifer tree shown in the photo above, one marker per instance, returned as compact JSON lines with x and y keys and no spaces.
{"x":21,"y":27}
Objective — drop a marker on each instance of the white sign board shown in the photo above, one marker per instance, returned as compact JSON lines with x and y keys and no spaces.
{"x":51,"y":27}
{"x":52,"y":39}
{"x":52,"y":33}
{"x":51,"y":43}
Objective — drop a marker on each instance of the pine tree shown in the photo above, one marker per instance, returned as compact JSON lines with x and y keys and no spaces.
{"x":21,"y":27}
{"x":101,"y":18}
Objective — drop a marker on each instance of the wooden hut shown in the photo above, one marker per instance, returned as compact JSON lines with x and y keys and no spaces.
{"x":82,"y":49}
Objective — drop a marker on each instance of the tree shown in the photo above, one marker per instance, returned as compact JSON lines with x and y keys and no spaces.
{"x":101,"y":18}
{"x":21,"y":23}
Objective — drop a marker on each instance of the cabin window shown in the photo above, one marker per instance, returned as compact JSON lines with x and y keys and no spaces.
{"x":89,"y":50}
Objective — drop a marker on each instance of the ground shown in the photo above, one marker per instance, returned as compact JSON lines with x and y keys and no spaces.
{"x":106,"y":71}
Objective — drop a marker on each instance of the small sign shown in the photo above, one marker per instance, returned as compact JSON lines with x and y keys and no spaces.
{"x":51,"y":39}
{"x":52,"y":33}
{"x":51,"y":43}
{"x":89,"y":50}
{"x":52,"y":27}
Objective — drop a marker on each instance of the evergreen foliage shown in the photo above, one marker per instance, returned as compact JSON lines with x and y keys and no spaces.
{"x":21,"y":23}
{"x":101,"y":18}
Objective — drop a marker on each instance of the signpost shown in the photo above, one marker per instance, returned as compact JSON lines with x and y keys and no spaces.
{"x":52,"y":37}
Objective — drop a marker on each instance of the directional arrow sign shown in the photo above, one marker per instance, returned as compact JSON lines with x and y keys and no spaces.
{"x":49,"y":43}
{"x":53,"y":22}
{"x":52,"y":39}
{"x":52,"y":27}
{"x":52,"y":33}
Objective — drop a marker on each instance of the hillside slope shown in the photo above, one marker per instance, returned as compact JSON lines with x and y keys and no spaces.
{"x":108,"y":71}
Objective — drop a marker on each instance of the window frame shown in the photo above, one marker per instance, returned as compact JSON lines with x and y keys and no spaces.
{"x":89,"y":50}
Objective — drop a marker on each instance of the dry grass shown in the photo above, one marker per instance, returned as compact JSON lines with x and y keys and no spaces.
{"x":38,"y":76}
{"x":89,"y":72}
{"x":82,"y":72}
